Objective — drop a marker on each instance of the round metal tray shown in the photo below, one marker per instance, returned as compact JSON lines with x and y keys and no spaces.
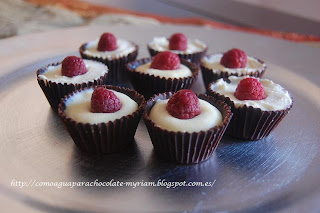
{"x":279,"y":173}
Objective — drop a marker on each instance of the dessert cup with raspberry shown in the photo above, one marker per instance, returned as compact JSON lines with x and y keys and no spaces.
{"x":234,"y":62}
{"x":59,"y":79}
{"x":187,"y":49}
{"x":114,"y":53}
{"x":164,"y":73}
{"x":258,"y":105}
{"x":184,"y":128}
{"x":102,"y":119}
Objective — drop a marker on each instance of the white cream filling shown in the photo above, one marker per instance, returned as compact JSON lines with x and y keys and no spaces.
{"x":182,"y":72}
{"x":213,"y":62}
{"x":124,"y":48}
{"x":162,"y":44}
{"x":78,"y":108}
{"x":277,"y":97}
{"x":95,"y":71}
{"x":210,"y":116}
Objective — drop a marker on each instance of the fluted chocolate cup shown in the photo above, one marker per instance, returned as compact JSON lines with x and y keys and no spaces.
{"x":116,"y":65}
{"x":148,"y":85}
{"x":209,"y":75}
{"x":192,"y":57}
{"x":248,"y":122}
{"x":186,"y":147}
{"x":54,"y":91}
{"x":103,"y":138}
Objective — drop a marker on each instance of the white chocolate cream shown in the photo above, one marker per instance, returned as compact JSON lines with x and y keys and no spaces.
{"x":182,"y":72}
{"x":162,"y":44}
{"x":210,"y":117}
{"x":213,"y":62}
{"x":95,"y":71}
{"x":277,"y":97}
{"x":124,"y":48}
{"x":78,"y":108}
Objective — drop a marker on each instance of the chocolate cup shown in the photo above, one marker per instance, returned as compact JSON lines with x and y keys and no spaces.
{"x":185,"y":147}
{"x":148,"y":85}
{"x":116,"y":65}
{"x":193,"y":57}
{"x":248,"y":122}
{"x":104,"y":138}
{"x":209,"y":76}
{"x":54,"y":92}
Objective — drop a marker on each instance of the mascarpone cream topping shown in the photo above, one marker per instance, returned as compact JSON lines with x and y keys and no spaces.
{"x":182,"y":72}
{"x":95,"y":71}
{"x":277,"y":97}
{"x":213,"y":62}
{"x":162,"y":44}
{"x":124,"y":48}
{"x":210,"y":116}
{"x":78,"y":108}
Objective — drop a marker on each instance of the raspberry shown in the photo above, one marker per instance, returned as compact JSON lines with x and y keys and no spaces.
{"x":250,"y":89}
{"x":166,"y":61}
{"x":73,"y":66}
{"x":234,"y":58}
{"x":178,"y":41}
{"x":107,"y":42}
{"x":103,"y":100}
{"x":184,"y":104}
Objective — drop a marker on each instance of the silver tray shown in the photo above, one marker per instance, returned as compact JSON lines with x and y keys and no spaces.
{"x":278,"y":174}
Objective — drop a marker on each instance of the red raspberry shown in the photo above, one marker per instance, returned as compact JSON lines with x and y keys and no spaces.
{"x":250,"y":89}
{"x":184,"y":104}
{"x":234,"y":58}
{"x":107,"y":42}
{"x":103,"y":100}
{"x":73,"y":66}
{"x":178,"y":41}
{"x":166,"y":61}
